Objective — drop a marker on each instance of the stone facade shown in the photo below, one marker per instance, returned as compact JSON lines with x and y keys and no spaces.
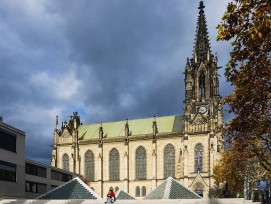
{"x":184,"y":147}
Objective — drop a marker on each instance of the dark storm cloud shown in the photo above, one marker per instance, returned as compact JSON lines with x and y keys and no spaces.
{"x":122,"y":45}
{"x":109,"y":60}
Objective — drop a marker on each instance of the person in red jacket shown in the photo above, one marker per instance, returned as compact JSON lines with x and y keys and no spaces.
{"x":110,"y":197}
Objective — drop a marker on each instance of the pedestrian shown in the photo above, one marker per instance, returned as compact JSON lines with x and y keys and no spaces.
{"x":110,"y":197}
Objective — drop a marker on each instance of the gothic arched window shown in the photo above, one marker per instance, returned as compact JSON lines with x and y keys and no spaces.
{"x":198,"y":157}
{"x":143,"y":191}
{"x":137,"y":191}
{"x":114,"y":165}
{"x":140,"y":163}
{"x":169,"y":161}
{"x":198,"y":188}
{"x":116,"y":188}
{"x":89,"y":165}
{"x":202,"y":84}
{"x":65,"y":162}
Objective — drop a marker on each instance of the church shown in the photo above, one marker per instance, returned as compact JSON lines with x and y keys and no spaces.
{"x":138,"y":155}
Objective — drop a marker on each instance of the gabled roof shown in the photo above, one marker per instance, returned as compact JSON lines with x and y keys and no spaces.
{"x":73,"y":189}
{"x":122,"y":195}
{"x":165,"y":124}
{"x":172,"y":189}
{"x":199,"y":179}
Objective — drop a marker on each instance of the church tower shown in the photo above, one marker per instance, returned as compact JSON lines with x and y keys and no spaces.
{"x":202,"y":108}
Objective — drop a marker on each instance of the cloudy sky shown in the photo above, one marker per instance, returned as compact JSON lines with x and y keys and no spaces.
{"x":107,"y":59}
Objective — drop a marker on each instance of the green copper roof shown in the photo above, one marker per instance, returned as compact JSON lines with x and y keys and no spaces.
{"x":172,"y":189}
{"x":165,"y":124}
{"x":122,"y":195}
{"x":73,"y":189}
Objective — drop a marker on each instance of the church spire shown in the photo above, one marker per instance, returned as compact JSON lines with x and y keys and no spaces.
{"x":202,"y":100}
{"x":202,"y":50}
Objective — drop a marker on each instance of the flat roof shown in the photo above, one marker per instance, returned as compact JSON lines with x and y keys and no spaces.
{"x":49,"y":166}
{"x":5,"y":125}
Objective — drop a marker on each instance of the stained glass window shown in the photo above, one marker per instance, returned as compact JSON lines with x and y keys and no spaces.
{"x":169,"y":161}
{"x":137,"y":191}
{"x":89,"y":165}
{"x":202,"y":84}
{"x":65,"y":160}
{"x":143,"y":191}
{"x":141,"y":163}
{"x":198,"y":157}
{"x":114,"y":165}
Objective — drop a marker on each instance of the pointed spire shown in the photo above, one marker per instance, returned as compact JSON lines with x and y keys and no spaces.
{"x":154,"y":126}
{"x":56,"y":134}
{"x":126,"y":128}
{"x":101,"y":132}
{"x":187,"y":62}
{"x":202,"y":50}
{"x":56,"y":122}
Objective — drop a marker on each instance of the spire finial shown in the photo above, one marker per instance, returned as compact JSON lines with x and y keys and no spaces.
{"x":127,"y":133}
{"x":202,"y":51}
{"x":57,"y":119}
{"x":201,"y":7}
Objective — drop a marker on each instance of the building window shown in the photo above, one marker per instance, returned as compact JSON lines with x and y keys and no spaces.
{"x":35,"y":170}
{"x":114,"y":165}
{"x":35,"y":187}
{"x":7,"y":141}
{"x":53,"y":186}
{"x":143,"y":191}
{"x":116,"y":188}
{"x":89,"y":165}
{"x":7,"y":171}
{"x":202,"y":85}
{"x":141,"y":163}
{"x":65,"y":161}
{"x":137,"y":191}
{"x":169,"y":161}
{"x":198,"y":157}
{"x":59,"y":176}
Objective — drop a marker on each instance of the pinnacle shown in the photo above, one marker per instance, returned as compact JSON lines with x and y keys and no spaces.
{"x":202,"y":50}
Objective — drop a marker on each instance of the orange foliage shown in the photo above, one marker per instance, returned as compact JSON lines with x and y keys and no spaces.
{"x":248,"y":25}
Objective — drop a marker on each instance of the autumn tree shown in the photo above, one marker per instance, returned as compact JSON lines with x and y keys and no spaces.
{"x":247,"y":24}
{"x":237,"y":167}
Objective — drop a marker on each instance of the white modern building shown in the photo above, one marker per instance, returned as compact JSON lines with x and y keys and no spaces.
{"x":20,"y":177}
{"x":12,"y":161}
{"x":40,"y":178}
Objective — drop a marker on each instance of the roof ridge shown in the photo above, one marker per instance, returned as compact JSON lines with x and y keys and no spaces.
{"x":87,"y":188}
{"x":118,"y":192}
{"x":56,"y":188}
{"x":167,"y":188}
{"x":132,"y":120}
{"x":123,"y":195}
{"x":186,"y":188}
